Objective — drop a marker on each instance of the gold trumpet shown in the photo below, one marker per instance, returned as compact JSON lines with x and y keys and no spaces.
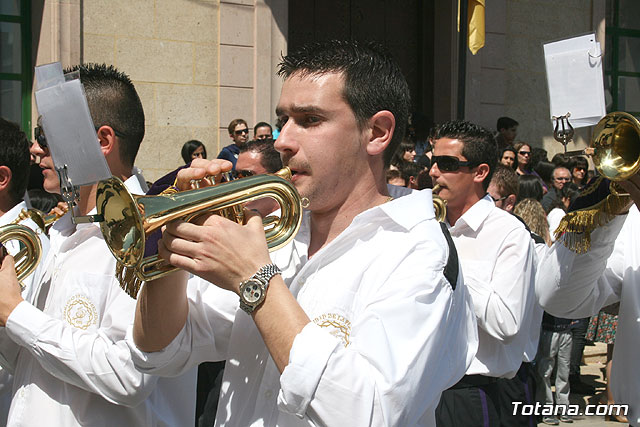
{"x":28,"y":258}
{"x":129,"y":220}
{"x":439,"y":204}
{"x":616,"y":146}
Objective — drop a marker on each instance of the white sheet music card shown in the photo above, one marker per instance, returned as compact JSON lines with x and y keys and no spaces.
{"x":68,"y":127}
{"x":574,"y":78}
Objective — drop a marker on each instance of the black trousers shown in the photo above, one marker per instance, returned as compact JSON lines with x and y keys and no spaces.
{"x":473,"y":402}
{"x":521,"y":388}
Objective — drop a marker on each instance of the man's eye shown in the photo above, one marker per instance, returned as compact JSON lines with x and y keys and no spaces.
{"x":311,"y":120}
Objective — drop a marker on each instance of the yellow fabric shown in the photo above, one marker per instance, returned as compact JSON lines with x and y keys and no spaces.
{"x":476,"y":25}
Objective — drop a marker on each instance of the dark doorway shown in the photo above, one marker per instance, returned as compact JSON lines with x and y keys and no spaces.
{"x":406,"y":28}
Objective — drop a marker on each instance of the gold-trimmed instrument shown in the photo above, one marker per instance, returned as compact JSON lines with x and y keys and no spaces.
{"x":439,"y":204}
{"x":129,"y":220}
{"x":28,"y":258}
{"x":615,"y":150}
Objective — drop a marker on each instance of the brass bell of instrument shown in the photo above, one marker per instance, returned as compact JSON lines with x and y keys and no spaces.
{"x":129,"y":219}
{"x":439,"y":204}
{"x":28,"y":258}
{"x":616,"y":146}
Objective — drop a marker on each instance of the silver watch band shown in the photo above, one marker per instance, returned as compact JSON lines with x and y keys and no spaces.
{"x":267,"y":272}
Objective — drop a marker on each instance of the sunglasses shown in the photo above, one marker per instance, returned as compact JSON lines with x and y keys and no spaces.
{"x":562,"y":179}
{"x":450,"y":163}
{"x":241,"y":131}
{"x":524,"y":153}
{"x":241,"y":174}
{"x":496,"y":200}
{"x":580,"y":168}
{"x":40,"y":138}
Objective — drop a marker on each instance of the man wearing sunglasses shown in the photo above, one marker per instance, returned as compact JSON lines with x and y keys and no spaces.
{"x":497,"y":259}
{"x":73,"y":367}
{"x":239,"y":134}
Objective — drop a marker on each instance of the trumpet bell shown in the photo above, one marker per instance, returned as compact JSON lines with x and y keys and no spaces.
{"x":616,"y":145}
{"x":27,"y":259}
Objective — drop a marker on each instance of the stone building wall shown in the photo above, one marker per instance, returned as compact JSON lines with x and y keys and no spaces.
{"x":197,"y":64}
{"x":507,"y":76}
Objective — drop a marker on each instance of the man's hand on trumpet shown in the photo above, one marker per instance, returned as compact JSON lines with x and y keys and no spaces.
{"x":218,"y":250}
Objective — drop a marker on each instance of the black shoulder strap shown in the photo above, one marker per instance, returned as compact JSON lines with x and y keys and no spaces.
{"x":451,"y":269}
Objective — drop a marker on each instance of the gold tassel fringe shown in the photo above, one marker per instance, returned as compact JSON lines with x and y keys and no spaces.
{"x":575,"y":227}
{"x":129,"y":282}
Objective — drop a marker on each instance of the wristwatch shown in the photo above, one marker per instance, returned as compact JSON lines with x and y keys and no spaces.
{"x":254,"y":290}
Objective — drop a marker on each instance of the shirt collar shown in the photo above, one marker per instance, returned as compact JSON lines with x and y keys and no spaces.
{"x":476,"y":214}
{"x":12,"y":213}
{"x":406,"y":211}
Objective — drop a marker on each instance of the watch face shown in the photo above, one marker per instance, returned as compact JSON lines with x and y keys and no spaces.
{"x":251,"y":291}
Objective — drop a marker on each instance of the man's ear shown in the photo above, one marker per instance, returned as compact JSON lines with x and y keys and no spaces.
{"x":382,"y":125}
{"x":107,"y":139}
{"x":5,"y":178}
{"x":481,"y":173}
{"x":509,"y":203}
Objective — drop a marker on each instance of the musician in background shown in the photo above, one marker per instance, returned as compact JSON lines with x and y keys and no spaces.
{"x":73,"y":367}
{"x":258,"y":157}
{"x":363,"y":318}
{"x":14,"y":175}
{"x":578,"y":285}
{"x":497,"y":259}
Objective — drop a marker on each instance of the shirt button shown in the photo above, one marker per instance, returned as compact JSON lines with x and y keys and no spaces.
{"x":268,"y":394}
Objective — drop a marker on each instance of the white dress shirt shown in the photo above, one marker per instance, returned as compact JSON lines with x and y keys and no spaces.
{"x":7,"y":359}
{"x":388,"y":333}
{"x":497,"y":258}
{"x":73,"y":366}
{"x":575,"y":286}
{"x":554,"y":217}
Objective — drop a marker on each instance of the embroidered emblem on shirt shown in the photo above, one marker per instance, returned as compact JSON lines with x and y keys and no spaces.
{"x":80,"y":312}
{"x":340,"y":326}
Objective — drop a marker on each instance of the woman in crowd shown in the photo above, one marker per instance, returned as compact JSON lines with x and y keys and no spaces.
{"x":523,"y":158}
{"x":578,"y":168}
{"x":405,"y":152}
{"x":193,"y":149}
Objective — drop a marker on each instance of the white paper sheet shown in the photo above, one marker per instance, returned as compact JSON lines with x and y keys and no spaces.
{"x":574,"y":78}
{"x":68,"y":126}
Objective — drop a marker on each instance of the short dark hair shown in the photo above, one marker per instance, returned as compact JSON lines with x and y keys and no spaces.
{"x":373,"y":80}
{"x":235,"y":122}
{"x":506,"y":180}
{"x":14,"y":154}
{"x":262,"y":125}
{"x":270,"y":159}
{"x":560,"y":159}
{"x":410,"y":169}
{"x":114,"y":102}
{"x":478,"y":144}
{"x":529,"y":187}
{"x":506,"y":123}
{"x":189,"y":147}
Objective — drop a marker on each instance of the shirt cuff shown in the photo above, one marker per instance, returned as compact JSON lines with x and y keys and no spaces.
{"x":308,"y":358}
{"x":154,"y":362}
{"x":25,"y":324}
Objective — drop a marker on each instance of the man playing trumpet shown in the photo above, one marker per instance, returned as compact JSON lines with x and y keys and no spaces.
{"x":363,"y":319}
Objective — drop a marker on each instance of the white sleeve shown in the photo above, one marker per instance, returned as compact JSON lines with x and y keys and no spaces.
{"x":205,"y":336}
{"x":416,"y":337}
{"x":96,"y":360}
{"x":501,"y":304}
{"x":577,"y":285}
